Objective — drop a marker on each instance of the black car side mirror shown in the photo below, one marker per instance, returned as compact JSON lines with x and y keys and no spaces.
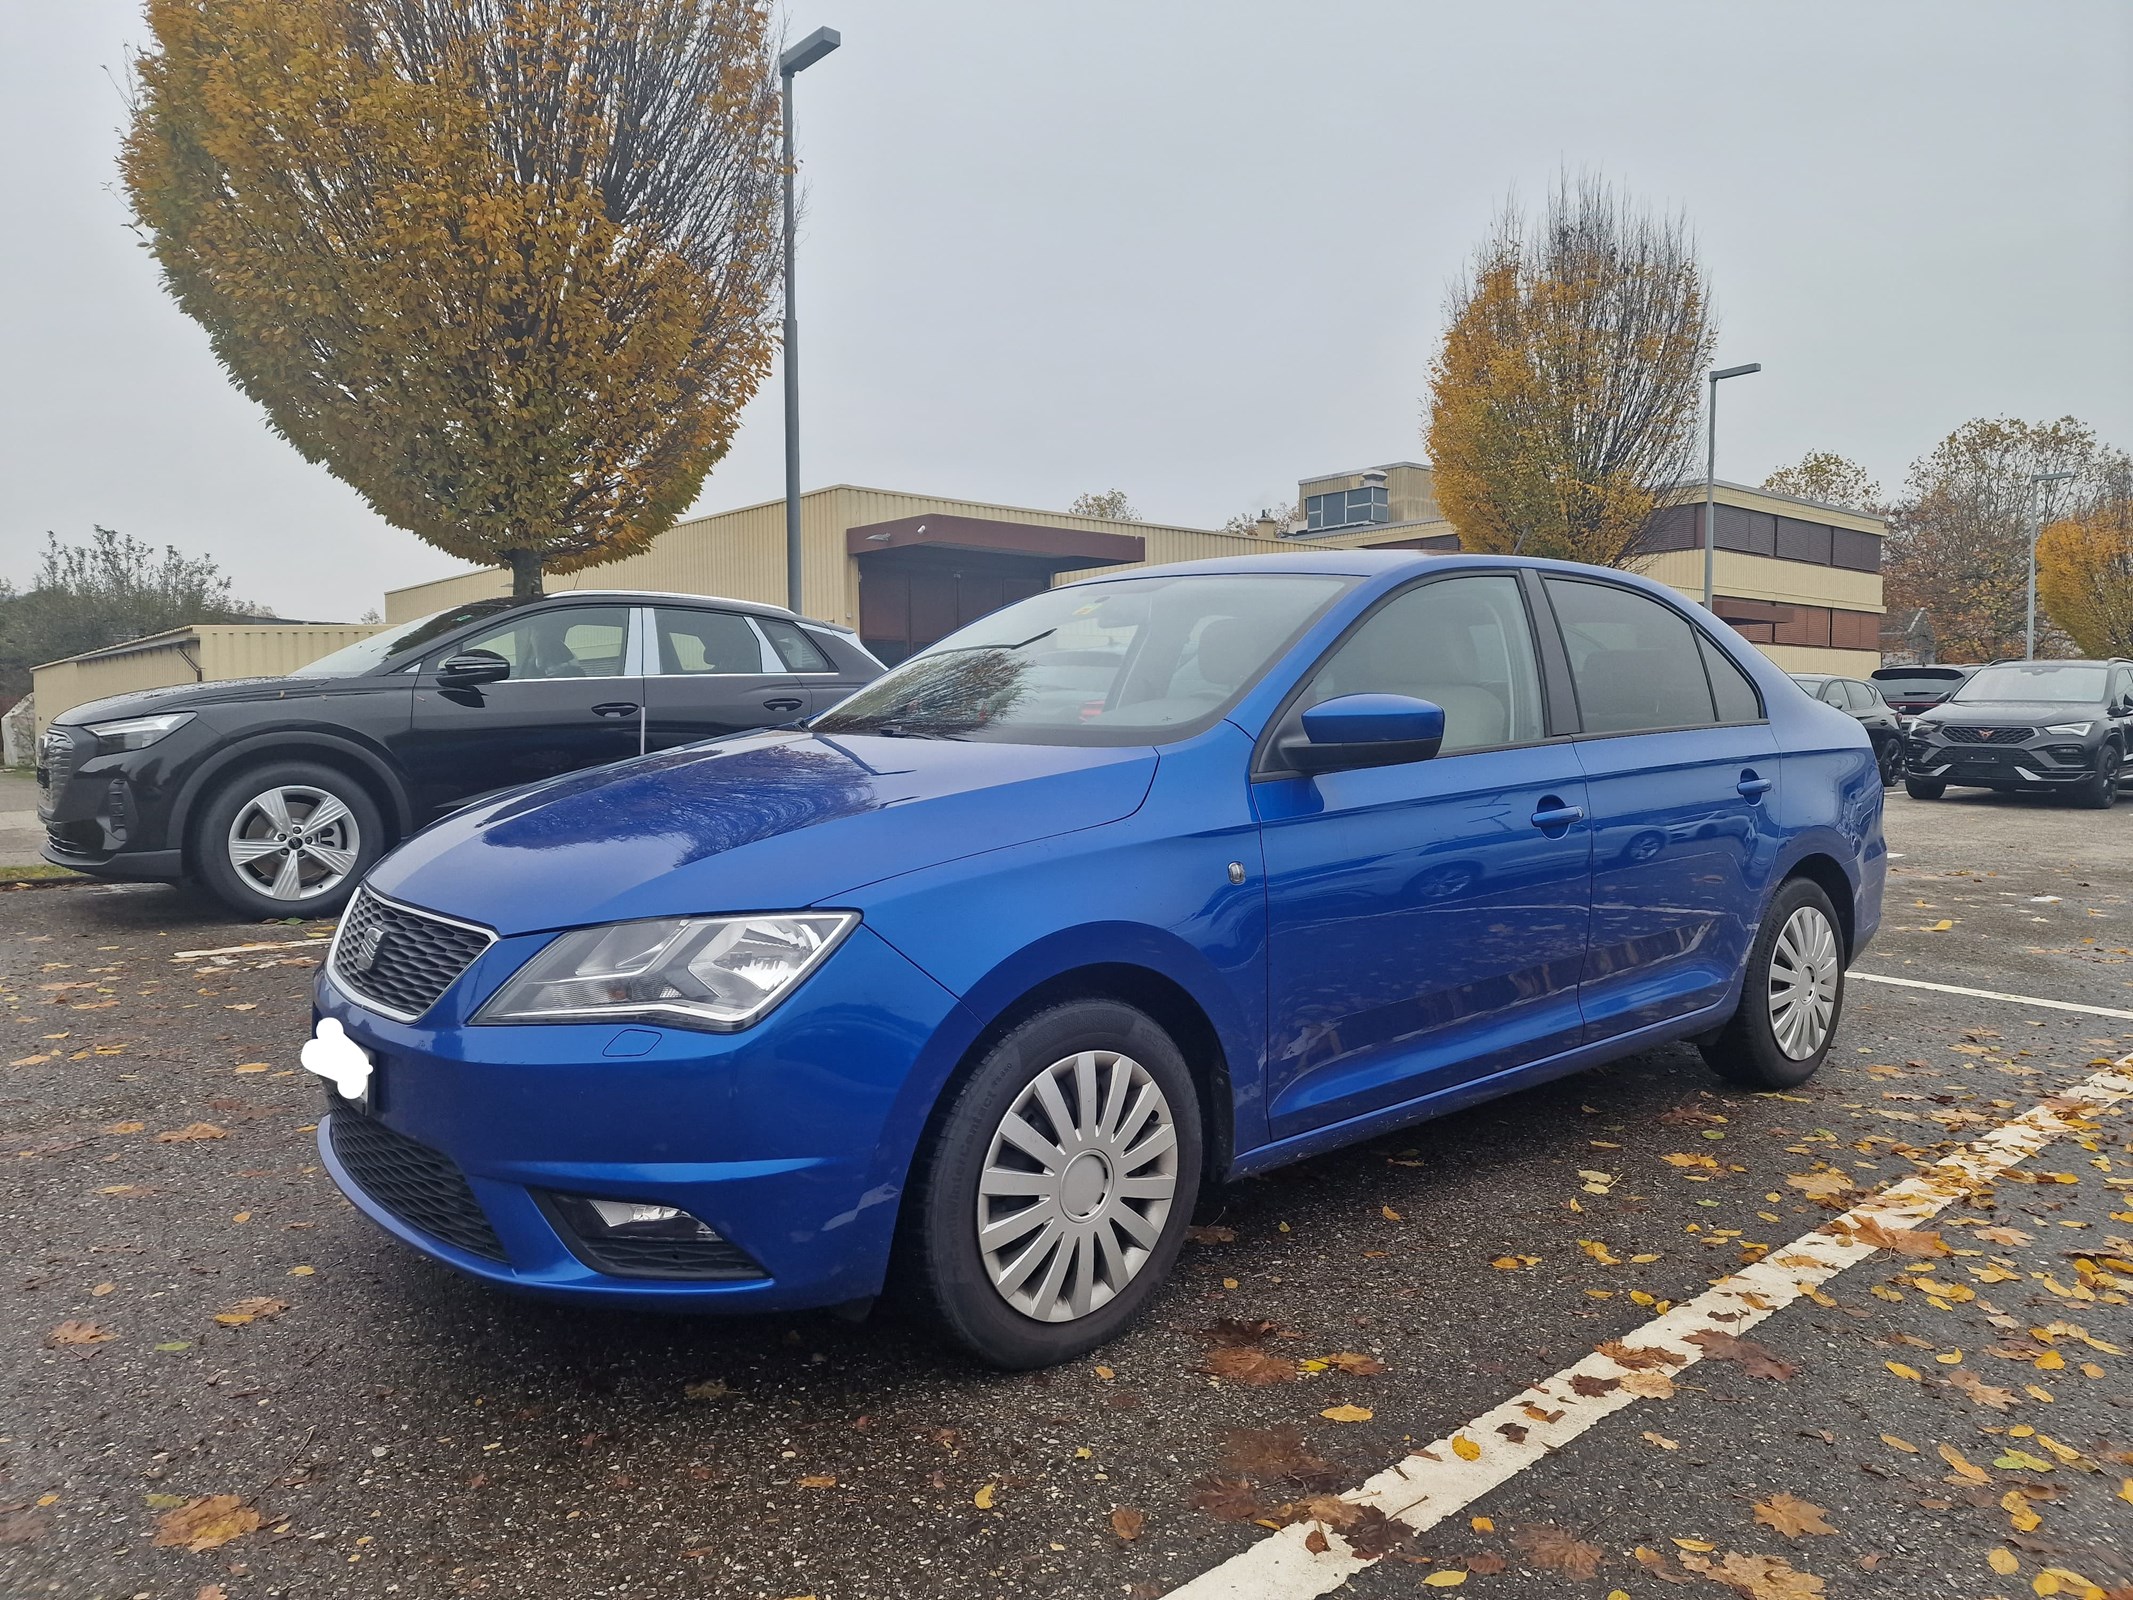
{"x":472,"y":667}
{"x":1365,"y":730}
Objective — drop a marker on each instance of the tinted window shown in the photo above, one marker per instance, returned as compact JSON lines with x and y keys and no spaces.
{"x":705,"y":641}
{"x":569,"y":642}
{"x":1462,"y":643}
{"x":1861,"y":697}
{"x":1731,"y":687}
{"x":1634,"y":662}
{"x":1115,"y":661}
{"x":795,"y":648}
{"x":2043,"y":681}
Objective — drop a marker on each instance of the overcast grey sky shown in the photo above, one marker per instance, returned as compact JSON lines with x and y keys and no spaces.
{"x":1197,"y":249}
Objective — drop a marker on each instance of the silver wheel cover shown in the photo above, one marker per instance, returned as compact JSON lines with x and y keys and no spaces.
{"x":1803,"y":983}
{"x":1077,"y":1185}
{"x":294,"y":842}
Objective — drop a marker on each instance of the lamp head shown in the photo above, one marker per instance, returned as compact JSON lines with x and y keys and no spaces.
{"x":808,"y":51}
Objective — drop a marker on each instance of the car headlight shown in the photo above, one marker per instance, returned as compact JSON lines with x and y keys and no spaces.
{"x":714,"y":973}
{"x":2071,"y":729}
{"x":136,"y":733}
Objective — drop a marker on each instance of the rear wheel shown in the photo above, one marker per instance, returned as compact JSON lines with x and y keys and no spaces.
{"x":1058,"y":1189}
{"x":2100,"y":793}
{"x":287,"y":840}
{"x":1791,"y":998}
{"x":1924,"y":788}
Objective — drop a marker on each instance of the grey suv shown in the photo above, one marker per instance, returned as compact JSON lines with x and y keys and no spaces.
{"x":2028,"y":725}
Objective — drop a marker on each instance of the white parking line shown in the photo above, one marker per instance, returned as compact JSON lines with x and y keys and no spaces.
{"x":1987,"y":994}
{"x":1453,"y":1472}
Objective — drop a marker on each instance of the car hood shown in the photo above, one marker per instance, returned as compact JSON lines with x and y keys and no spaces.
{"x":2012,"y":713}
{"x":195,"y":696}
{"x":762,"y":822}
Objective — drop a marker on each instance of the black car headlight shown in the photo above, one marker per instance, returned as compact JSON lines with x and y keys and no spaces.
{"x":136,"y":733}
{"x":714,"y":973}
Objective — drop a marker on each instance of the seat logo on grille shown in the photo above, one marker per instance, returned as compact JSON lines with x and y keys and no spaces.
{"x":363,"y":948}
{"x":1984,"y":734}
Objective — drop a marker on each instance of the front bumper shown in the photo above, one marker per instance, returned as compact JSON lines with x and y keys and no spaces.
{"x":108,"y":815}
{"x":2041,"y":765}
{"x":792,"y":1138}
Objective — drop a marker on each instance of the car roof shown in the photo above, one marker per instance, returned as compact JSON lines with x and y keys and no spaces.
{"x":1372,"y":564}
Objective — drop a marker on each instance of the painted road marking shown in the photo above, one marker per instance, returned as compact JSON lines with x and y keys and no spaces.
{"x":1988,"y":994}
{"x":1438,"y":1482}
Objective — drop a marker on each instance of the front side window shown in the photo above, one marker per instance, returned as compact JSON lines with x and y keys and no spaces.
{"x":1635,"y":663}
{"x":1127,"y":661}
{"x":397,"y":639}
{"x":2016,"y":682}
{"x":568,"y":642}
{"x":1461,"y":643}
{"x":705,"y":642}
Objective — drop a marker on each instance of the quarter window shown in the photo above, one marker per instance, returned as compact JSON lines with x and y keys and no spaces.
{"x":1730,"y":687}
{"x":568,"y":642}
{"x":1635,"y":663}
{"x":794,"y":648}
{"x":1461,"y":643}
{"x":694,"y":643}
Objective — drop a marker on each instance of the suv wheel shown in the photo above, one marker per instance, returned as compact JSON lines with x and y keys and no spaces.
{"x":287,"y":840}
{"x":1891,"y":764}
{"x":1791,"y":998}
{"x":1924,"y":788}
{"x":2100,"y":793}
{"x":1056,"y":1194}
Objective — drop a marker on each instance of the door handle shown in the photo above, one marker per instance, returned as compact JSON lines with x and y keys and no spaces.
{"x":616,"y":708}
{"x":782,"y":705}
{"x":1554,"y":814}
{"x":1752,"y":787}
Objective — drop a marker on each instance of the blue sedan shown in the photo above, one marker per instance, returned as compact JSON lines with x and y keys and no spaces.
{"x":969,"y":986}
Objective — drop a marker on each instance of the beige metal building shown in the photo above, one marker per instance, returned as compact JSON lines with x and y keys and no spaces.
{"x":1799,"y":579}
{"x":206,"y":653}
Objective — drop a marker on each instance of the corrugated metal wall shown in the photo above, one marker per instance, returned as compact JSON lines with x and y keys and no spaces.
{"x":249,"y":650}
{"x":204,"y":654}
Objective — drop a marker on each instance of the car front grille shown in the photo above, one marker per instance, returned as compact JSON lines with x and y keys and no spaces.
{"x":55,"y":764}
{"x":1956,"y":735}
{"x":399,"y":959}
{"x":422,"y":1188}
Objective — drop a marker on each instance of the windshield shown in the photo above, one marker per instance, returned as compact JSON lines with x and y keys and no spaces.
{"x":1119,"y":662}
{"x":389,"y":641}
{"x":1921,"y":682}
{"x":2042,"y":681}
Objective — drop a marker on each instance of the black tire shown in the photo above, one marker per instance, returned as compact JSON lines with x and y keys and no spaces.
{"x":1924,"y":788}
{"x":1748,"y":1050}
{"x":358,"y":836}
{"x":1891,"y":764}
{"x":943,"y":1271}
{"x":2100,"y":793}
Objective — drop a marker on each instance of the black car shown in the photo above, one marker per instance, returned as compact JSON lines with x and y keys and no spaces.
{"x":279,"y":793}
{"x":1863,"y":700}
{"x":2027,"y":725}
{"x":1910,"y":690}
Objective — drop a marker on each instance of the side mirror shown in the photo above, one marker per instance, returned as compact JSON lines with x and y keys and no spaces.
{"x":472,"y":667}
{"x":1365,"y":730}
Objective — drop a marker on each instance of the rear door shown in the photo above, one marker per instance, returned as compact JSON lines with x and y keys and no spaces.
{"x":709,"y":673}
{"x":808,"y":658}
{"x":571,"y":702}
{"x":1681,"y":768}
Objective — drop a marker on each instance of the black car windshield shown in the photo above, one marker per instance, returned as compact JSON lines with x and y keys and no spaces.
{"x":352,"y":660}
{"x":1923,"y":681}
{"x":1125,"y":661}
{"x":2044,"y":681}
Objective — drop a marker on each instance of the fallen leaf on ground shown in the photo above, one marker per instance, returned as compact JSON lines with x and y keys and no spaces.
{"x":1902,"y":1241}
{"x":1649,"y":1385}
{"x":1248,"y":1365}
{"x":1661,"y":1440}
{"x":254,"y":1309}
{"x":1484,"y":1564}
{"x":1127,"y":1523}
{"x":1464,"y":1448}
{"x":192,"y":1130}
{"x":1752,"y":1358}
{"x":207,"y":1523}
{"x":1820,"y":1185}
{"x":75,"y":1332}
{"x":1277,"y":1453}
{"x":1655,"y":1563}
{"x":819,"y":1480}
{"x":1979,"y":1391}
{"x":1444,"y":1578}
{"x":1791,"y":1516}
{"x":1231,"y":1499}
{"x":983,"y":1498}
{"x":1347,"y":1413}
{"x":1637,"y":1357}
{"x":2003,"y":1561}
{"x":1211,"y":1235}
{"x":1757,"y":1577}
{"x":1558,"y":1550}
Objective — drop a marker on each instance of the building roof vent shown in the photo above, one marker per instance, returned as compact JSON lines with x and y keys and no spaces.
{"x":1374,"y":478}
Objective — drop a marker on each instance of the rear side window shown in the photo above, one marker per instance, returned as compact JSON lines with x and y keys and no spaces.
{"x":1730,"y":687}
{"x":698,"y":642}
{"x":794,"y":647}
{"x":1635,"y":663}
{"x":1862,"y":698}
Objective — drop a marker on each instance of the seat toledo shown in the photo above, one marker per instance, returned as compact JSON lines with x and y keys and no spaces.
{"x":969,"y":985}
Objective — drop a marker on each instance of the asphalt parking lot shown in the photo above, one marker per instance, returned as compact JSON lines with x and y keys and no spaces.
{"x":218,"y":1381}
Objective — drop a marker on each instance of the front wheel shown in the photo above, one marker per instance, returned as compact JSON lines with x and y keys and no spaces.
{"x":1891,"y":764}
{"x":1791,"y":998}
{"x":2100,"y":793}
{"x":1058,"y":1186}
{"x":1924,"y":788}
{"x":290,"y":839}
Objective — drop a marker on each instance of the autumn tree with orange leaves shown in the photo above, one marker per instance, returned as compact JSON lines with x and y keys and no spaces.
{"x":1567,"y":394}
{"x":2085,"y":569}
{"x":505,"y":267}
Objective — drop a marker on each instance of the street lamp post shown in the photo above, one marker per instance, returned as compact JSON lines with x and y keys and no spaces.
{"x":793,"y":62}
{"x":1710,"y":473}
{"x":2037,"y":481}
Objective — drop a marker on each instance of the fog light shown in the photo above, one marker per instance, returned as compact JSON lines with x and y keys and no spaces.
{"x":636,"y":1219}
{"x":644,"y":1239}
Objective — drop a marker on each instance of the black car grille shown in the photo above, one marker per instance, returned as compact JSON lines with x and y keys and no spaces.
{"x":415,"y":1183}
{"x":1956,"y":735}
{"x":400,"y":959}
{"x":55,"y":763}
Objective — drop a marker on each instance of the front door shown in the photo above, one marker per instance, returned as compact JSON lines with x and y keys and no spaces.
{"x":1682,"y":769}
{"x":572,"y":701}
{"x":1426,"y":922}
